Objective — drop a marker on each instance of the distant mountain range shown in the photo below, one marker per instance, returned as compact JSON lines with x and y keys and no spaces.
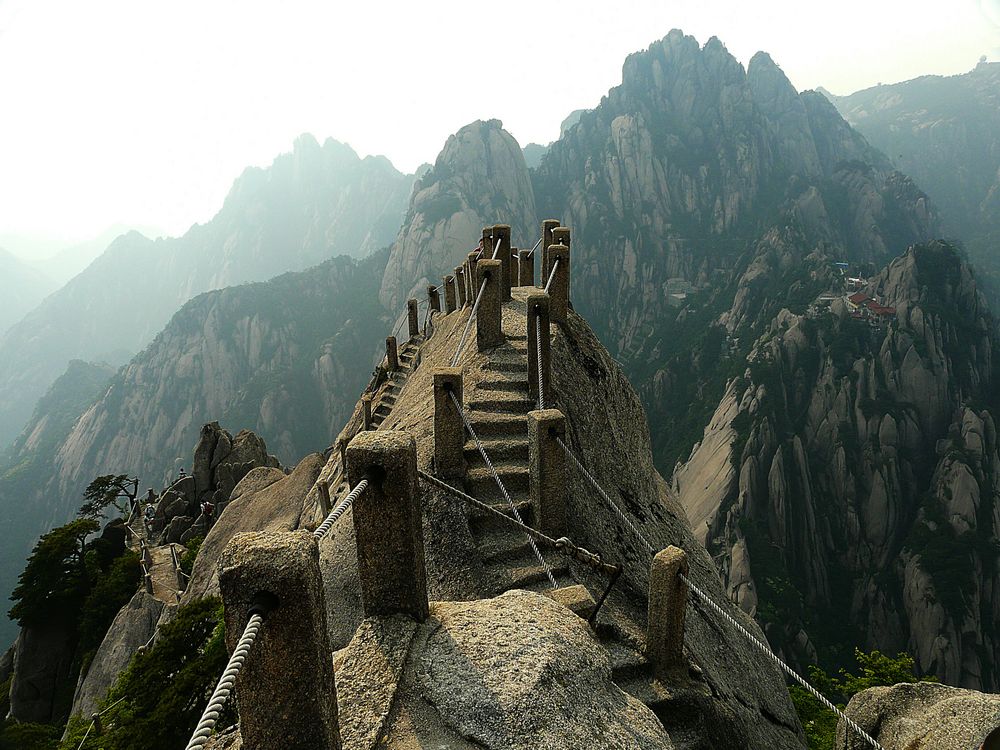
{"x":21,"y":288}
{"x":317,"y":202}
{"x":944,"y":131}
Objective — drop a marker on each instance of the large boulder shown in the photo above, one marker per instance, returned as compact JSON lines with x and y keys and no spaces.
{"x":275,"y":506}
{"x":921,"y":716}
{"x":132,"y":627}
{"x":42,"y":662}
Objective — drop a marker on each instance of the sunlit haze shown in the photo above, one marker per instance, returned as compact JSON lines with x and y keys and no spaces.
{"x":144,"y":113}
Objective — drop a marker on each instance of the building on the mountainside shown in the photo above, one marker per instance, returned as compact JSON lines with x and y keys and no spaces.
{"x":677,"y":289}
{"x":856,"y":282}
{"x":863,"y":307}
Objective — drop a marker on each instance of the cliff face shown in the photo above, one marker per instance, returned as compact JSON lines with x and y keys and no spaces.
{"x":479,"y":179}
{"x":945,"y":133}
{"x":285,"y":358}
{"x":847,"y":481}
{"x":695,"y":183}
{"x":312,"y":204}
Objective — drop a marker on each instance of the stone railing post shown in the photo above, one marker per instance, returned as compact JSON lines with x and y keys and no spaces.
{"x":488,"y":243}
{"x":525,"y":268}
{"x":559,"y":291}
{"x":286,"y":690}
{"x":342,"y":449}
{"x":449,"y":430}
{"x":547,"y":226}
{"x":449,"y":294}
{"x":390,"y":542}
{"x":433,"y":298}
{"x":461,"y":286}
{"x":366,"y":404}
{"x":538,"y":312}
{"x":667,"y":605}
{"x":391,"y":354}
{"x":560,"y":236}
{"x":323,"y":488}
{"x":471,"y":277}
{"x":489,"y":333}
{"x":147,"y":580}
{"x":501,"y":232}
{"x":411,"y":317}
{"x":547,"y":466}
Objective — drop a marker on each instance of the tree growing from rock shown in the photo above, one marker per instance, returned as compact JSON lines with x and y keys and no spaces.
{"x":118,"y":490}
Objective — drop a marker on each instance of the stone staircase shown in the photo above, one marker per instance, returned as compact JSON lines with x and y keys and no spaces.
{"x":497,"y":408}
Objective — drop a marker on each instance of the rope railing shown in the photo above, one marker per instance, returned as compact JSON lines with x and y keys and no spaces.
{"x":562,"y":545}
{"x":503,"y":490}
{"x":711,"y":603}
{"x":93,"y":721}
{"x":222,"y":691}
{"x":538,"y":352}
{"x":552,"y":275}
{"x":468,"y":324}
{"x":323,"y":529}
{"x":777,"y":660}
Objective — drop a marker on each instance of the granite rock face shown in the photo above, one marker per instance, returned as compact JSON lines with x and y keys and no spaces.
{"x":132,"y":627}
{"x":42,"y":663}
{"x":921,"y":716}
{"x":479,"y":179}
{"x":847,"y":453}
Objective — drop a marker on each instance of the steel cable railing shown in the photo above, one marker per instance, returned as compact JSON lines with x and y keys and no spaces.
{"x":503,"y":490}
{"x":552,"y":275}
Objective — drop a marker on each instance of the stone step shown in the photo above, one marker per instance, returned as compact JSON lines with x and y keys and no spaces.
{"x":515,"y":477}
{"x":500,"y":401}
{"x":507,"y":366}
{"x":511,"y":385}
{"x":533,"y":577}
{"x":626,"y":663}
{"x":484,"y":524}
{"x":499,"y":425}
{"x":503,"y":449}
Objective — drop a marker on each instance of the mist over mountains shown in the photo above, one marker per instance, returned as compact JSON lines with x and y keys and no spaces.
{"x":317,"y":202}
{"x":709,"y":204}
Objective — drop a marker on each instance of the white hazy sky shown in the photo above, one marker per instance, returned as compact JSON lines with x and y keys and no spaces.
{"x":143,"y":113}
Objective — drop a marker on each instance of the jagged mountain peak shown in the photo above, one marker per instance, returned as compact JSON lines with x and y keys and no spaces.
{"x":480,"y":178}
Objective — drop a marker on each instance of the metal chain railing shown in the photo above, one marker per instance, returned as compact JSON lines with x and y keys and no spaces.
{"x":777,"y":660}
{"x":503,"y":490}
{"x":552,"y":275}
{"x":347,"y":502}
{"x":222,"y":691}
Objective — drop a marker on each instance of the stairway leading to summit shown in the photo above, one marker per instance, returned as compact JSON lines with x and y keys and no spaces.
{"x":497,"y":407}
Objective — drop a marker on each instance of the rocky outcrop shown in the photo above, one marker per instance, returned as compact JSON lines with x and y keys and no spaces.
{"x":861,"y":467}
{"x":518,"y":671}
{"x":317,"y":202}
{"x":42,"y":669}
{"x":922,"y":716}
{"x":132,"y":627}
{"x":255,"y":506}
{"x":479,"y":178}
